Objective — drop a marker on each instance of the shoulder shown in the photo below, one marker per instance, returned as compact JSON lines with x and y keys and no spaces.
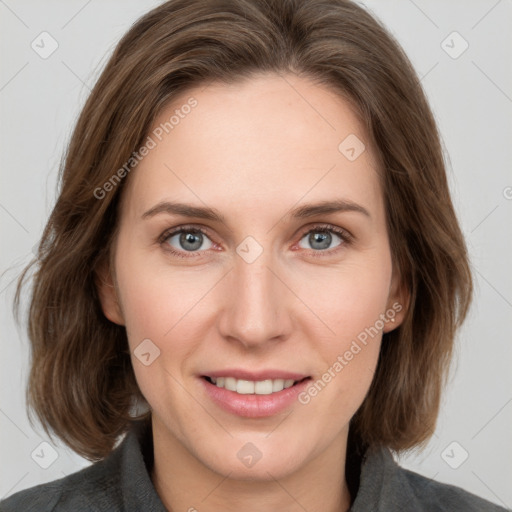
{"x":438,"y":496}
{"x":386,"y":486}
{"x":119,"y":482}
{"x":92,"y":489}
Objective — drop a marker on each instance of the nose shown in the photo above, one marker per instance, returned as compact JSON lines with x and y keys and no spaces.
{"x":256,"y":306}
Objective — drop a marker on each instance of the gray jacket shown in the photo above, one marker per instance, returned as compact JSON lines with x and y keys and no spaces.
{"x":121,"y":482}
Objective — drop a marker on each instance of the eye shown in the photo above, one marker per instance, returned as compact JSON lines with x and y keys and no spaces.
{"x":183,"y":240}
{"x":191,"y":241}
{"x":321,"y":238}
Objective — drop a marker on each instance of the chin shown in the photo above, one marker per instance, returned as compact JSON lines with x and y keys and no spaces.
{"x":254,"y":457}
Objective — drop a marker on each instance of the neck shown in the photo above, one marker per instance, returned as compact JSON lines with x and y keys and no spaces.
{"x":184,"y":483}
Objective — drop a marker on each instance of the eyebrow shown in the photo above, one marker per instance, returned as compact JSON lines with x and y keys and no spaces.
{"x":326,"y":207}
{"x":301,"y":212}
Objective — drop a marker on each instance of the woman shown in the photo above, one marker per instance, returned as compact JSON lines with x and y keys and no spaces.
{"x":253,"y":269}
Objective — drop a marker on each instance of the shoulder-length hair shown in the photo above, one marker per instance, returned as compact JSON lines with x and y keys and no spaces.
{"x":82,"y":384}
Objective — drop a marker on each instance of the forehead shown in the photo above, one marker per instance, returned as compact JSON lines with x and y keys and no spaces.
{"x":262,"y":143}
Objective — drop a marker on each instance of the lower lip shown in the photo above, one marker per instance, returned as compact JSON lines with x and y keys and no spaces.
{"x":254,"y":406}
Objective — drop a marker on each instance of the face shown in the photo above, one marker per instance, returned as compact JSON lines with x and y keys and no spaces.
{"x":255,"y":319}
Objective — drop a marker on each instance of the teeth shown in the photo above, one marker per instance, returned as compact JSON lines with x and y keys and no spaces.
{"x":245,"y":387}
{"x":250,"y":387}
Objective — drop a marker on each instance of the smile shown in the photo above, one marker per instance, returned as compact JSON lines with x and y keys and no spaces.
{"x":254,"y":395}
{"x":250,"y":387}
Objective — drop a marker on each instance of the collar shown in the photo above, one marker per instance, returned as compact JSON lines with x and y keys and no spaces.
{"x":383,"y":486}
{"x":138,"y":491}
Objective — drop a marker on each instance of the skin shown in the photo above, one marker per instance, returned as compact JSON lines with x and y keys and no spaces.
{"x":253,"y":150}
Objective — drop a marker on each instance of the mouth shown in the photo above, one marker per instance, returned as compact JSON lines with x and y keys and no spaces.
{"x":254,"y":395}
{"x":252,"y":387}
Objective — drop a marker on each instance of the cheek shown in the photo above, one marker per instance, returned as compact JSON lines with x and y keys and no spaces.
{"x":345,"y":361}
{"x":346,"y":300}
{"x":350,"y":304}
{"x":157,"y":297}
{"x":172,"y":308}
{"x":160,"y":306}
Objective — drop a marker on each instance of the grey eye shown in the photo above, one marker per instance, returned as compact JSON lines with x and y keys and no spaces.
{"x":319,"y":239}
{"x":189,"y":241}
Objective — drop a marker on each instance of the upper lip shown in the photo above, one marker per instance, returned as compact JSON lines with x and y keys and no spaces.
{"x":239,"y":373}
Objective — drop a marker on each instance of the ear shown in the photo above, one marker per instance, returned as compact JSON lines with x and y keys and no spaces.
{"x":108,"y":295}
{"x":398,"y":303}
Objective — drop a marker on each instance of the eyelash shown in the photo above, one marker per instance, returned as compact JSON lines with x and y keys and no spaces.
{"x":345,"y":236}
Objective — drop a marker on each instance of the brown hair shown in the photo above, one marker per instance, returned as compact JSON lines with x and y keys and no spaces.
{"x":81,"y":383}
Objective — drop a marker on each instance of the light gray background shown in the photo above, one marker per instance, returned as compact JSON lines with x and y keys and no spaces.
{"x":471,"y":96}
